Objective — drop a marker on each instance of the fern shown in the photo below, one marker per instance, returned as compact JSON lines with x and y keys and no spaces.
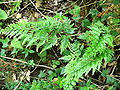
{"x":76,"y":51}
{"x":47,"y":33}
{"x":99,"y":41}
{"x":43,"y":34}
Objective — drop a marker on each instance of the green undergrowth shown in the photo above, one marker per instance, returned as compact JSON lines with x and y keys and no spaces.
{"x":79,"y":56}
{"x":45,"y":33}
{"x":100,"y":44}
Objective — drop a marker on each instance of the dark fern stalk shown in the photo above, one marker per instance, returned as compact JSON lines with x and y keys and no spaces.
{"x":100,"y":48}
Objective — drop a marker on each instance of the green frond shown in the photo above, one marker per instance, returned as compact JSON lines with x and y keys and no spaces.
{"x":42,"y":33}
{"x":99,"y":40}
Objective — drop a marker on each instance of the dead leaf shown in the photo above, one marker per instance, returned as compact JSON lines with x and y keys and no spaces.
{"x":18,"y":15}
{"x":36,"y":15}
{"x":55,"y":79}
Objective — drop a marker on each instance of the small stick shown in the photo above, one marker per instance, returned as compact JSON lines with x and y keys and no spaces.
{"x":20,"y":10}
{"x":13,"y":59}
{"x":27,"y":63}
{"x":9,"y":2}
{"x":37,"y":9}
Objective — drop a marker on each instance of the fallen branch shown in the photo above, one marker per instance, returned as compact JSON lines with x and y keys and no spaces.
{"x":10,"y":2}
{"x":37,"y":9}
{"x":27,"y":62}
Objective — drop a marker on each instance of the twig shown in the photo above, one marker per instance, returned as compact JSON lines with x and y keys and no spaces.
{"x":27,"y":63}
{"x":45,"y":67}
{"x":20,"y":10}
{"x":95,"y":80}
{"x":83,"y":5}
{"x":55,"y":53}
{"x":71,"y":4}
{"x":37,"y":9}
{"x":111,"y":76}
{"x":9,"y":2}
{"x":48,"y":10}
{"x":113,"y":70}
{"x":13,"y":59}
{"x":89,"y":5}
{"x":35,"y":67}
{"x":117,"y":76}
{"x":118,"y":57}
{"x":94,"y":84}
{"x":4,"y":61}
{"x":27,"y":6}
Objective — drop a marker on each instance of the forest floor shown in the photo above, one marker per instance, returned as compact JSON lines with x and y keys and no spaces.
{"x":35,"y":10}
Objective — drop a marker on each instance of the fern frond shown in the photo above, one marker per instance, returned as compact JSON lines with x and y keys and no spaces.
{"x":42,"y":33}
{"x":75,"y":70}
{"x":99,"y":40}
